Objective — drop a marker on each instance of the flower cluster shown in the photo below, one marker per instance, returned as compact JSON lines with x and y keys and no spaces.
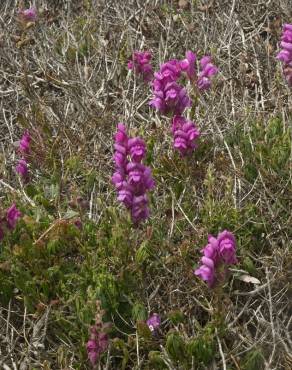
{"x":28,"y":15}
{"x":285,"y":55}
{"x":185,"y":135}
{"x":207,"y":70}
{"x":9,"y":220}
{"x":219,"y":253}
{"x":99,"y":339}
{"x":140,"y":63}
{"x":169,"y":96}
{"x":132,"y":178}
{"x":24,"y":149}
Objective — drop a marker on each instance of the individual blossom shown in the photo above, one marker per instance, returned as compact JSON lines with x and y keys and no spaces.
{"x":12,"y":215}
{"x":25,"y":143}
{"x":28,"y":15}
{"x":137,"y":149}
{"x":185,"y":135}
{"x":285,"y":55}
{"x":22,"y":169}
{"x":206,"y":271}
{"x":208,"y":69}
{"x":121,"y":146}
{"x":154,"y":322}
{"x":227,"y":247}
{"x":140,"y":63}
{"x":218,"y":254}
{"x":140,"y":210}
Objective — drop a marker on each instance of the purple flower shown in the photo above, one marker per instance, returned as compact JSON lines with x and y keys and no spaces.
{"x":125,"y":195}
{"x":227,"y":247}
{"x":121,"y":135}
{"x":12,"y":215}
{"x":207,"y":71}
{"x":28,"y":15}
{"x":169,"y":72}
{"x":132,"y":178}
{"x":118,"y":178}
{"x":211,"y":249}
{"x":219,"y":253}
{"x":285,"y":55}
{"x":173,"y":98}
{"x":96,"y":345}
{"x":206,"y":272}
{"x":137,"y":149}
{"x":135,"y":173}
{"x":140,"y":63}
{"x":22,"y":169}
{"x":169,"y":96}
{"x":154,"y":322}
{"x":92,"y":351}
{"x":24,"y":143}
{"x":121,"y":146}
{"x":185,"y":135}
{"x":140,"y":209}
{"x":188,"y":64}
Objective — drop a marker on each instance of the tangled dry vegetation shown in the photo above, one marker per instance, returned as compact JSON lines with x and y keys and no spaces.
{"x":68,"y":84}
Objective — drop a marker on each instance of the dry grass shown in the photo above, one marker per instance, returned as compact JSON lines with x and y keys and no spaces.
{"x":71,"y":82}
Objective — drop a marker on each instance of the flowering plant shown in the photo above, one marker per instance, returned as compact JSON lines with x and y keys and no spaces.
{"x":132,"y":178}
{"x":218,"y":254}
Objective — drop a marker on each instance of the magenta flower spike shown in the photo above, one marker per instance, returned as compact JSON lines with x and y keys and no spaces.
{"x":24,"y":143}
{"x":285,"y":55}
{"x":154,"y":322}
{"x":140,"y":63}
{"x":218,"y":254}
{"x":185,"y":134}
{"x":208,"y":70}
{"x":188,"y":64}
{"x":132,"y":178}
{"x":12,"y":215}
{"x":22,"y":169}
{"x":96,"y":345}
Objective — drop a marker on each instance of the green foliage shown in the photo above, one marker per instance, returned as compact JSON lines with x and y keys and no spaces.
{"x":202,"y":349}
{"x":176,"y":347}
{"x":176,"y":317}
{"x":156,"y":360}
{"x":265,"y":148}
{"x":139,"y":312}
{"x":254,"y":360}
{"x":219,"y":212}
